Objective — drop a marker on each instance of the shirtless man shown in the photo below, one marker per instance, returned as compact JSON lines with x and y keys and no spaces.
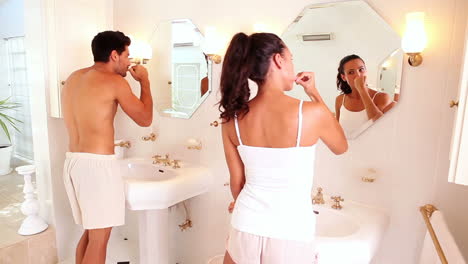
{"x":91,"y":173}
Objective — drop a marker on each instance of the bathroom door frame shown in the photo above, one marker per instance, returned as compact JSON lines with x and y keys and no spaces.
{"x":458,"y":172}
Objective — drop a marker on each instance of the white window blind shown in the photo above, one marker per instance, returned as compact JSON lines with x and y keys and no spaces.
{"x":19,"y":91}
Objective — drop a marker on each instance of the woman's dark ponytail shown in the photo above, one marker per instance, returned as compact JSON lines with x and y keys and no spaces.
{"x":234,"y":85}
{"x":247,"y":57}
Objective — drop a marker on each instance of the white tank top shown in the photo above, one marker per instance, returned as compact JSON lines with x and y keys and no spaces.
{"x":276,"y":199}
{"x":354,"y":123}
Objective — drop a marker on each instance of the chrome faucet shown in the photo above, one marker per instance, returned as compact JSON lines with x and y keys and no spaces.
{"x":318,"y":198}
{"x":337,"y":200}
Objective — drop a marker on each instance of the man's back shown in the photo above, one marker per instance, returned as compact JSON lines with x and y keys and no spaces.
{"x":89,"y":105}
{"x":91,"y":173}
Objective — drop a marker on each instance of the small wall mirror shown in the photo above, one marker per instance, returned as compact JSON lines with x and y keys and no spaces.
{"x":180,"y":73}
{"x":323,"y":34}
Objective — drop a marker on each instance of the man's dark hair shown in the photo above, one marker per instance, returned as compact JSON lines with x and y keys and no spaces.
{"x":107,"y":41}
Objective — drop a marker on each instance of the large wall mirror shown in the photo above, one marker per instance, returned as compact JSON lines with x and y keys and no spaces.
{"x":180,"y":72}
{"x":323,"y":34}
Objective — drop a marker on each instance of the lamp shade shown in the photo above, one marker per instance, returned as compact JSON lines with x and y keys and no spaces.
{"x":211,"y":43}
{"x":140,"y":50}
{"x":414,"y":39}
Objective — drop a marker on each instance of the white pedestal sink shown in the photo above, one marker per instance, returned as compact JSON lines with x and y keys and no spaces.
{"x":355,"y":232}
{"x":152,"y":189}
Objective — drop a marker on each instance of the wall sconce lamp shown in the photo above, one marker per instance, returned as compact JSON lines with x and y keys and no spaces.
{"x":139,"y":60}
{"x":194,"y":144}
{"x":414,"y":40}
{"x":140,"y":52}
{"x":387,"y":64}
{"x":212,"y":45}
{"x":214,"y":58}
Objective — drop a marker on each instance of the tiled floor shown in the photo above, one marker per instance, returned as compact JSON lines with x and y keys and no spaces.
{"x":11,"y":197}
{"x":36,"y":249}
{"x":118,"y":250}
{"x":14,"y":248}
{"x":11,"y":194}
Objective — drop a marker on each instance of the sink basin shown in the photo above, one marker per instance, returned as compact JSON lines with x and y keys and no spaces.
{"x":149,"y":186}
{"x":152,"y":189}
{"x":332,"y":223}
{"x":355,"y":231}
{"x":147,"y":172}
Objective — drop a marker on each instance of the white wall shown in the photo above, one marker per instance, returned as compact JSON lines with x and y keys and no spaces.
{"x":5,"y":91}
{"x":408,"y":146}
{"x":11,"y":18}
{"x":12,"y":25}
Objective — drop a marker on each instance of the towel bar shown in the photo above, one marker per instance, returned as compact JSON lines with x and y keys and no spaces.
{"x":426,"y":212}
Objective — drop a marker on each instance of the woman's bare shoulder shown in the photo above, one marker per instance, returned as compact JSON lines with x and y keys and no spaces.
{"x":381,"y":96}
{"x":314,"y":108}
{"x":340,"y":96}
{"x":339,"y":100}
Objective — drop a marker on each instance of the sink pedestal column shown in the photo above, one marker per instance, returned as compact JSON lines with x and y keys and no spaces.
{"x":154,"y":236}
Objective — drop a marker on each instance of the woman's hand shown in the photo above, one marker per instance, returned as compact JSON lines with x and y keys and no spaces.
{"x":372,"y":110}
{"x":307,"y":80}
{"x":360,"y":83}
{"x":231,"y":206}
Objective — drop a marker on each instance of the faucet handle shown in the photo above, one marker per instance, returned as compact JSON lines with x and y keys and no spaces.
{"x":123,"y":144}
{"x":337,"y":198}
{"x":152,"y":136}
{"x":156,"y":159}
{"x":175,"y":164}
{"x":318,"y":198}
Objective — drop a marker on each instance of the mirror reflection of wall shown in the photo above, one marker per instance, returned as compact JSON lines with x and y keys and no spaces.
{"x":389,"y":75}
{"x":323,"y":34}
{"x":180,"y":71}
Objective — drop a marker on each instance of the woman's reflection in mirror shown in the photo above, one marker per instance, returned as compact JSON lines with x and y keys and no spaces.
{"x":357,"y":104}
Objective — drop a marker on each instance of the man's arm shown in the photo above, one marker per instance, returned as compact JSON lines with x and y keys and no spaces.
{"x":139,"y":110}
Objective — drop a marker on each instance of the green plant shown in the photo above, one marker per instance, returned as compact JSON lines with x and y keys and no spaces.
{"x":5,"y":119}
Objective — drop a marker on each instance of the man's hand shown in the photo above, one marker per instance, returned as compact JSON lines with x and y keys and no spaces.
{"x":139,"y":73}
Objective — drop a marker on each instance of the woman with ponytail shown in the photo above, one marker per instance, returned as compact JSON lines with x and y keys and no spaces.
{"x":362,"y":104}
{"x":269,"y":143}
